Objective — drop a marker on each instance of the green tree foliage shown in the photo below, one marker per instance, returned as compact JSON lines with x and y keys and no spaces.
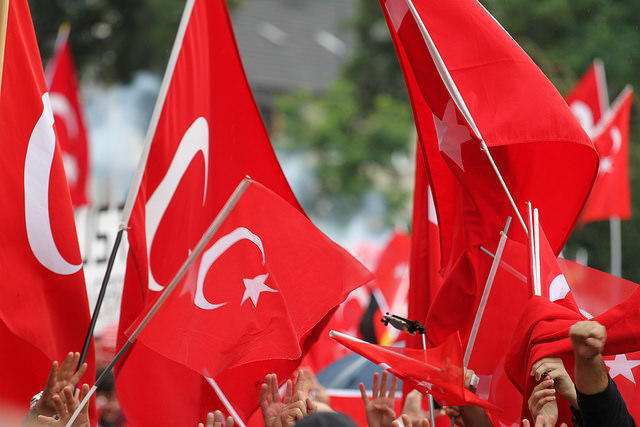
{"x":112,"y":39}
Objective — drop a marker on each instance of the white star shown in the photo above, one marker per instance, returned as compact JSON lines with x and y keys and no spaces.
{"x":451,"y":134}
{"x":622,"y":366}
{"x":254,"y":287}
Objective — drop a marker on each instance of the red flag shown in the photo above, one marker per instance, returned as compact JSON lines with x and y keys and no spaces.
{"x":610,"y":196}
{"x":257,"y":290}
{"x":392,"y":285}
{"x":437,"y":371}
{"x":479,"y":85}
{"x":67,"y":111}
{"x":588,"y":99}
{"x":44,"y":313}
{"x":209,"y":135}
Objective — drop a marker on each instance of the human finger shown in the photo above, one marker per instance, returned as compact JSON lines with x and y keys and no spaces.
{"x":363,"y":394}
{"x":263,"y":396}
{"x":383,"y":384}
{"x":374,"y":389}
{"x":311,"y":406}
{"x":217,"y":420}
{"x":394,"y":385}
{"x":52,"y":376}
{"x":79,"y":373}
{"x":47,"y":420}
{"x":229,"y":422}
{"x":61,"y":408}
{"x":543,"y":401}
{"x":288,"y":391}
{"x":66,"y":366}
{"x":525,"y":423}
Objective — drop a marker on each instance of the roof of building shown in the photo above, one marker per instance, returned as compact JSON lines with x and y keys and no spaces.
{"x":288,"y":44}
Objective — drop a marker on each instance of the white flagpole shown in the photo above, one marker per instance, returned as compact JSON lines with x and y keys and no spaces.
{"x":225,"y":402}
{"x":485,"y":294}
{"x":432,"y":403}
{"x":462,"y":107}
{"x":536,"y":240}
{"x":603,"y":91}
{"x":155,"y":115}
{"x":204,"y":240}
{"x":615,"y":231}
{"x":4,"y":17}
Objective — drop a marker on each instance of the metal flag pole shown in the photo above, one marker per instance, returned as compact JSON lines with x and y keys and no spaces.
{"x":432,"y":403}
{"x":137,"y":178}
{"x":204,"y":240}
{"x":615,"y":232}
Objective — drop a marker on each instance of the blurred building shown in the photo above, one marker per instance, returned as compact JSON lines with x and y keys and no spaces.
{"x":291,"y":44}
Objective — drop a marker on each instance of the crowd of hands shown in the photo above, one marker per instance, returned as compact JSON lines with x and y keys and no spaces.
{"x":303,"y":395}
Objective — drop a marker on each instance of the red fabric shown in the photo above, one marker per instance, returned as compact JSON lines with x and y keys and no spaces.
{"x":437,"y":371}
{"x":517,"y":111}
{"x":610,"y":195}
{"x":346,"y":319}
{"x":293,"y":276}
{"x":211,"y":132}
{"x":392,"y":285}
{"x":43,"y":300}
{"x":543,"y":329}
{"x":588,"y":99}
{"x":67,"y":111}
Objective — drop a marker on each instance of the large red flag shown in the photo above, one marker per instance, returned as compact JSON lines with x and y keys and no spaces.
{"x":44,"y":313}
{"x":480,"y":86}
{"x":209,"y":135}
{"x":67,"y":111}
{"x":610,"y":196}
{"x":257,"y":290}
{"x":588,"y":99}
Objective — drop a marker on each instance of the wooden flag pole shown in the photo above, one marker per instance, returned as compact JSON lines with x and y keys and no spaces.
{"x":137,"y":178}
{"x":204,"y":240}
{"x":4,"y":18}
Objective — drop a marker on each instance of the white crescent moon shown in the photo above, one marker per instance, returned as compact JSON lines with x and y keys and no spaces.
{"x":195,"y":140}
{"x":61,"y":107}
{"x":213,"y":253}
{"x":37,"y":171}
{"x":584,"y":115}
{"x":616,"y":139}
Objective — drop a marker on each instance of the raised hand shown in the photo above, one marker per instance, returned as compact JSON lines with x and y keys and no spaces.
{"x":216,"y":419}
{"x":282,"y":411}
{"x":542,"y":403}
{"x":379,"y":409}
{"x":65,"y":404}
{"x":413,"y":408}
{"x":307,"y":383}
{"x":587,"y":338}
{"x":552,"y":368}
{"x":539,"y":422}
{"x":60,"y":378}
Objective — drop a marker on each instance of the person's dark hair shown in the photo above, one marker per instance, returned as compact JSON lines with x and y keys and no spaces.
{"x":326,"y":419}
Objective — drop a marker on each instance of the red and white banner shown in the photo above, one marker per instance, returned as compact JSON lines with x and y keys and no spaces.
{"x":263,"y":283}
{"x":44,"y":313}
{"x":64,"y":95}
{"x":588,"y":99}
{"x":611,"y":196}
{"x":206,"y":135}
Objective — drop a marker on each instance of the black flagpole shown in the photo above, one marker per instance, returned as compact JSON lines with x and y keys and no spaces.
{"x":103,"y":291}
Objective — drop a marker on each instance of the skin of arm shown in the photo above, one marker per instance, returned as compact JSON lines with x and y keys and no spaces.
{"x":588,"y":339}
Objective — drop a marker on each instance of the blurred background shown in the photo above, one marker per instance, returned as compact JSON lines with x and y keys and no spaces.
{"x":325,"y":76}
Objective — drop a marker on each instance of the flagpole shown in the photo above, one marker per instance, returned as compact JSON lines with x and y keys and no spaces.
{"x":137,"y":178}
{"x":615,"y":231}
{"x":204,"y":240}
{"x":4,"y":17}
{"x":462,"y":107}
{"x":432,"y":403}
{"x":225,"y":402}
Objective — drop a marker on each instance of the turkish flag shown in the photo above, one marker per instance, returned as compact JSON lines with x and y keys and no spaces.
{"x":209,"y":135}
{"x":44,"y":312}
{"x":437,"y":371}
{"x":256,"y":291}
{"x":588,"y":99}
{"x":392,"y":285}
{"x":67,"y":111}
{"x":479,"y":85}
{"x":610,"y":196}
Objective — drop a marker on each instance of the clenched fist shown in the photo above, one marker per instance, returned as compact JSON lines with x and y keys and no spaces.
{"x":587,"y":338}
